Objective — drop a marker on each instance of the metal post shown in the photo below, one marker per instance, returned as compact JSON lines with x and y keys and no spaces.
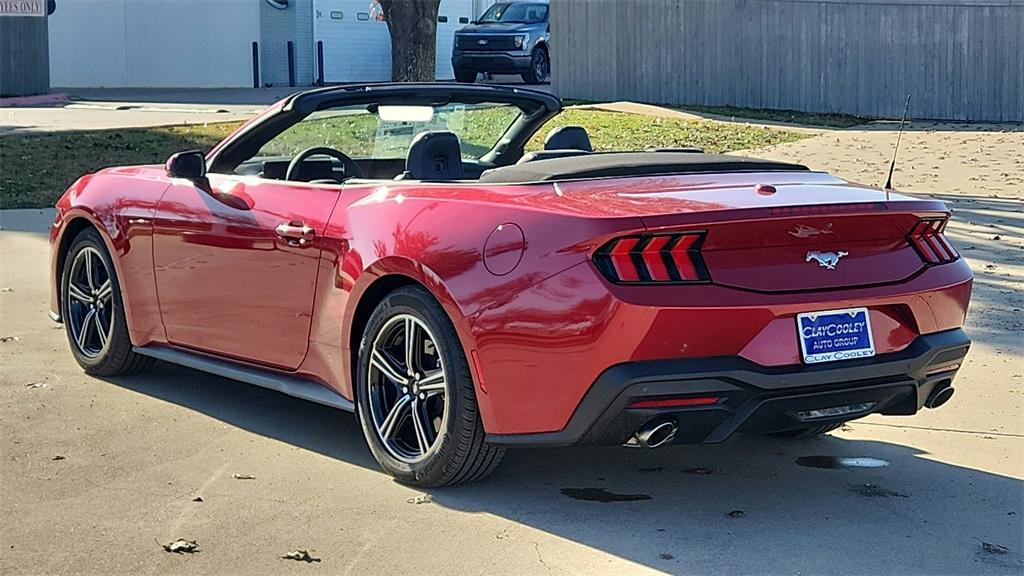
{"x":291,"y":63}
{"x":319,"y":62}
{"x":255,"y":64}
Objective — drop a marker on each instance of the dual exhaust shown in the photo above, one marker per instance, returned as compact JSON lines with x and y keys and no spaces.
{"x":661,"y":431}
{"x":654,"y":433}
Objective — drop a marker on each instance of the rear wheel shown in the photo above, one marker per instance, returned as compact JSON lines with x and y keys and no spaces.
{"x":416,"y":401}
{"x":540,"y":66}
{"x":465,"y":76}
{"x":810,"y":432}
{"x":93,"y":310}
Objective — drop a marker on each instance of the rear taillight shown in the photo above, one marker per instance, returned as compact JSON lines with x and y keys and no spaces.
{"x":653,"y":259}
{"x":931,"y":243}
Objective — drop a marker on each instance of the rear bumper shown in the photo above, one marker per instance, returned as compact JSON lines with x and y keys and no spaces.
{"x":754,"y":398}
{"x":490,"y":61}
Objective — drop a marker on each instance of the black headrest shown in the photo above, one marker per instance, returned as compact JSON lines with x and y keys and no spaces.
{"x":568,"y":138}
{"x":548,"y":154}
{"x":434,"y":156}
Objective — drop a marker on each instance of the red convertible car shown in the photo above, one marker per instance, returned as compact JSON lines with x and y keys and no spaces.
{"x":392,"y":250}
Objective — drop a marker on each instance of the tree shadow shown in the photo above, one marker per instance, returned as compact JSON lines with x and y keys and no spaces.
{"x":744,"y":506}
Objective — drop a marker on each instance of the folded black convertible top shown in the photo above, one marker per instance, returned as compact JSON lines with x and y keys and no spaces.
{"x":626,"y":164}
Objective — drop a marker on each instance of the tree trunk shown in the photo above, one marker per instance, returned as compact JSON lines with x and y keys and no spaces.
{"x":413,"y":28}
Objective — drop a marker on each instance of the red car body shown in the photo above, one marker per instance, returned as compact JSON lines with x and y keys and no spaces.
{"x":552,"y":340}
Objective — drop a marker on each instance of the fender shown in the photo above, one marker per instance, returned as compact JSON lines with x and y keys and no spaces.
{"x":124,"y":221}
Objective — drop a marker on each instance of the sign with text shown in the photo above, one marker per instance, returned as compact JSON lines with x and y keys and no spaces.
{"x":23,"y":8}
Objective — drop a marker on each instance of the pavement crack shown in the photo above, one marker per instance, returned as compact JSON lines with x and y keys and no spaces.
{"x":954,"y":430}
{"x":536,"y":548}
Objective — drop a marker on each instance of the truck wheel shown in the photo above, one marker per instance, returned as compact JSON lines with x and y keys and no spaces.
{"x":465,"y":76}
{"x":540,"y":66}
{"x":415,"y":395}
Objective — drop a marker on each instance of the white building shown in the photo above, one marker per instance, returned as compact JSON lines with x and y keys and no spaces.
{"x":230,"y":43}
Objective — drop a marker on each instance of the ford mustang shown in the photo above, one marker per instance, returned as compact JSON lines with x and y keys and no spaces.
{"x":395,"y":251}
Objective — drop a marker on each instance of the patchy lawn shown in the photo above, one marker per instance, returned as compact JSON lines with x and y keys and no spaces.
{"x":36,"y":168}
{"x":611,"y":131}
{"x":789,"y":116}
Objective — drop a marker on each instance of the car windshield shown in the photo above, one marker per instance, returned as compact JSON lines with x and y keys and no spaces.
{"x":516,"y":13}
{"x":370,"y":132}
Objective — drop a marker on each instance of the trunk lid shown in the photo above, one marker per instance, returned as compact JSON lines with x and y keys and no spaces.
{"x":806,"y":231}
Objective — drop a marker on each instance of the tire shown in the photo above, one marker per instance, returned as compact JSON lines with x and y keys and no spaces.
{"x":93,"y":315}
{"x":540,"y":66}
{"x":465,"y":76}
{"x":805,"y":433}
{"x":451,"y":448}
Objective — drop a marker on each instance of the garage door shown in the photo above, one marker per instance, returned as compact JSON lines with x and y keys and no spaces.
{"x":357,"y":48}
{"x":452,"y":15}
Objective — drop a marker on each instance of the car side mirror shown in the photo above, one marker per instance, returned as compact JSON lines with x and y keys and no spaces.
{"x":190,"y":165}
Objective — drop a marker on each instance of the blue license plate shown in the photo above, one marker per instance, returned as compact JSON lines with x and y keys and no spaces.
{"x":835,"y":335}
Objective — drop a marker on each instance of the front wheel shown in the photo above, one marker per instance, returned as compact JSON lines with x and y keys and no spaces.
{"x":93,"y":310}
{"x":415,"y":396}
{"x":540,"y":66}
{"x":465,"y":76}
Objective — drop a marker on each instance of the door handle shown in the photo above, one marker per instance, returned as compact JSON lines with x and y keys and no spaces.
{"x":295,"y":233}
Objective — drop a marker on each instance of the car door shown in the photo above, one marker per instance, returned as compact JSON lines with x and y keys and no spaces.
{"x":236,"y":265}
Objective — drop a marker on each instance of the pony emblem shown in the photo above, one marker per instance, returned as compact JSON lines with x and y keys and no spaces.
{"x":827,"y":260}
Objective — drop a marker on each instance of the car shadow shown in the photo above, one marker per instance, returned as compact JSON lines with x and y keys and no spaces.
{"x":745,"y":506}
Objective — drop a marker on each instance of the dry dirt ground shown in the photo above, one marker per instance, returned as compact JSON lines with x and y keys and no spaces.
{"x":95,"y":475}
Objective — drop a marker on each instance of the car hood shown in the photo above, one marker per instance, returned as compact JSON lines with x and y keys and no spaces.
{"x":497,"y":28}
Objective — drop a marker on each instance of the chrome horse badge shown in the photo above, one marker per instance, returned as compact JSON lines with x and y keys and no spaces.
{"x":827,"y":260}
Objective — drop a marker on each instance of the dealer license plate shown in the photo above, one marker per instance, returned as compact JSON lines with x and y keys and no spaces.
{"x":835,"y":335}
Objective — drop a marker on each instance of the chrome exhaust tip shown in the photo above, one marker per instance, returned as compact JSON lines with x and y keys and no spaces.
{"x":941,"y":394}
{"x":654,"y":434}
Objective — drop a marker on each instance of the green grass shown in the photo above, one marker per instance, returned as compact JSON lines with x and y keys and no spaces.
{"x":789,"y":116}
{"x":35,"y":168}
{"x":610,"y":131}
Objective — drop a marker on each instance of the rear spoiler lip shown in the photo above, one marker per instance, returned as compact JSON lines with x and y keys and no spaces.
{"x":670,"y":222}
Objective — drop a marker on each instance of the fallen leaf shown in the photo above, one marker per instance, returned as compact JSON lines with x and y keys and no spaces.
{"x":736,"y":514}
{"x":994,"y":548}
{"x":10,"y":338}
{"x":665,"y":556}
{"x":243,"y":477}
{"x":197,"y":499}
{"x":6,"y":289}
{"x":36,"y":385}
{"x":300,"y":555}
{"x":421,"y":499}
{"x":57,"y":457}
{"x":180,"y":546}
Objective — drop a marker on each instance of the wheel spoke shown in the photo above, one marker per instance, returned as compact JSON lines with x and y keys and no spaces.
{"x":411,"y":342}
{"x":78,"y":294}
{"x":381,"y":362}
{"x":104,"y":292}
{"x":88,"y":271}
{"x":421,"y":427}
{"x":389,"y":426}
{"x":101,"y":332}
{"x":83,"y":333}
{"x":433,"y":383}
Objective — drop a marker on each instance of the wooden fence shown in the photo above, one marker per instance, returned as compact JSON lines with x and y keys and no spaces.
{"x":961,"y":60}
